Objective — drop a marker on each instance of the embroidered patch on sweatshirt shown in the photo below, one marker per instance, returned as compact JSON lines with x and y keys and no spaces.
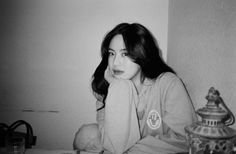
{"x":154,"y":119}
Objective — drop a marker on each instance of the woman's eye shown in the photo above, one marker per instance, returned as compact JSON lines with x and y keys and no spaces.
{"x":111,"y":54}
{"x":124,"y":54}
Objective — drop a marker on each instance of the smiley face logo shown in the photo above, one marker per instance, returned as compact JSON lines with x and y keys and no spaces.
{"x":154,"y":119}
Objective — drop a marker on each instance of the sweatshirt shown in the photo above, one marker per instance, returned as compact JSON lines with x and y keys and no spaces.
{"x":151,"y":122}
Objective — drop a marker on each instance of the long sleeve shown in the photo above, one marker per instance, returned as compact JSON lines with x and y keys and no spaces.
{"x":121,"y":128}
{"x":177,"y":106}
{"x":177,"y":112}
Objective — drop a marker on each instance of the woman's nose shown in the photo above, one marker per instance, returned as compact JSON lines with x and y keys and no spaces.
{"x":117,"y":60}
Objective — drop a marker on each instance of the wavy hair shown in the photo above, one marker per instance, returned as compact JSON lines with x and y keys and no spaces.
{"x":142,"y":48}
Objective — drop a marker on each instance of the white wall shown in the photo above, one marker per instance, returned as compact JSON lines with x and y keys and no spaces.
{"x":201,"y":47}
{"x":48,"y":52}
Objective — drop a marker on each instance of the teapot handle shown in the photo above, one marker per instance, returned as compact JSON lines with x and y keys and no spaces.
{"x":229,"y":119}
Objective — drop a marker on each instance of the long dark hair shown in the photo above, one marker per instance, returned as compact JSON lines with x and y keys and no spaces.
{"x":142,"y":48}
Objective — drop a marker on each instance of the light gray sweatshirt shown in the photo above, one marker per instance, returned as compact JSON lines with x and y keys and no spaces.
{"x":151,"y":122}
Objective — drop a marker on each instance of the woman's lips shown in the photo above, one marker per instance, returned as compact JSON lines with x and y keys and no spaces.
{"x":117,"y":72}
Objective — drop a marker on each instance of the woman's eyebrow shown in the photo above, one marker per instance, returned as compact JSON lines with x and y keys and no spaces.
{"x":111,"y":49}
{"x":119,"y":50}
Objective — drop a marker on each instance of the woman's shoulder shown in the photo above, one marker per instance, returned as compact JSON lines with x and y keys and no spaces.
{"x":167,"y":77}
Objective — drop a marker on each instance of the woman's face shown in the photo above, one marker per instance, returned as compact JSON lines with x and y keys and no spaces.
{"x":120,"y":64}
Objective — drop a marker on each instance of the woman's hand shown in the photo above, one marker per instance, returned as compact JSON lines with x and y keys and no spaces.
{"x":109,"y":76}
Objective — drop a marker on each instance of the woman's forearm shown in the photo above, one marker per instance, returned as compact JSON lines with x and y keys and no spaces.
{"x":121,"y":129}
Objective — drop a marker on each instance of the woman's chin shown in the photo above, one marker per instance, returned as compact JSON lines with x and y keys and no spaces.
{"x":118,"y":77}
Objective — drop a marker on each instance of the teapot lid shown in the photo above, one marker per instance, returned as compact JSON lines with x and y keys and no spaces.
{"x":215,"y":119}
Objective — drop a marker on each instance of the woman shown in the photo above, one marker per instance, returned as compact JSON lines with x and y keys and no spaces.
{"x":142,"y":105}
